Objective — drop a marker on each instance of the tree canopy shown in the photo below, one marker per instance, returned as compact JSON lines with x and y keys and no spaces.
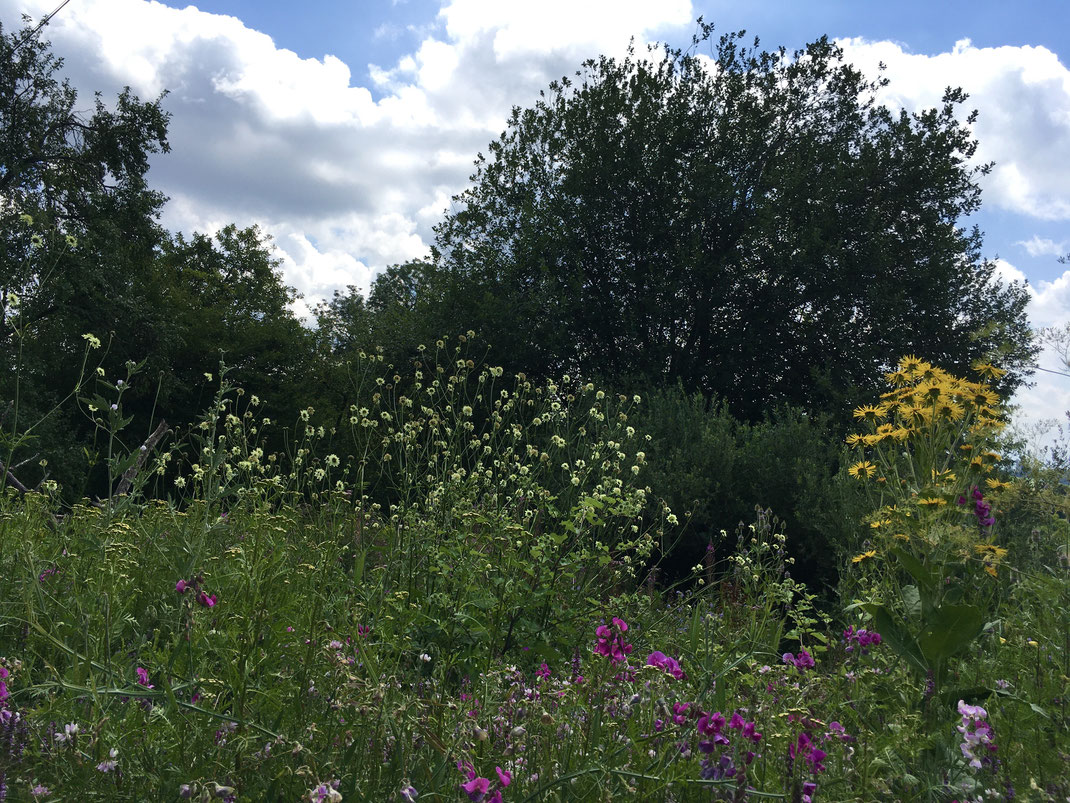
{"x":755,"y":226}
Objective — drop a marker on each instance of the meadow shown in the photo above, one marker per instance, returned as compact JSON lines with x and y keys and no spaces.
{"x":465,"y":607}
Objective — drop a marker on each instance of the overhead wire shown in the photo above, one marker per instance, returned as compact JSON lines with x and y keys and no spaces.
{"x":40,"y":25}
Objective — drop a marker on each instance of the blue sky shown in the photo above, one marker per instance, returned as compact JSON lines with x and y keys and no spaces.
{"x":344,"y":128}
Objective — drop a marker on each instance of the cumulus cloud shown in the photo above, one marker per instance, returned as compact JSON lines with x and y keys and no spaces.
{"x":1022,"y":95}
{"x":1038,"y":246}
{"x":347,"y":182}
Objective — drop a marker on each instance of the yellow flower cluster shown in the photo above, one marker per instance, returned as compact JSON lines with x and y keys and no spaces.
{"x":923,"y":397}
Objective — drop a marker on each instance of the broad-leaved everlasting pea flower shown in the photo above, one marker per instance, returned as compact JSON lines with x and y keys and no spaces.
{"x":666,"y":664}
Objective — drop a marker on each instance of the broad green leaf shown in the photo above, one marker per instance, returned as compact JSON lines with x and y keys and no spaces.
{"x":915,"y":567}
{"x":896,"y":635}
{"x":949,"y":629}
{"x":912,"y":601}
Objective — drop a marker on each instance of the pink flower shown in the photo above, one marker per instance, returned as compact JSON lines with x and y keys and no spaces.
{"x":611,"y":642}
{"x":181,"y":586}
{"x":476,"y":789}
{"x":143,"y":678}
{"x":504,"y":777}
{"x":206,"y":600}
{"x":666,"y":664}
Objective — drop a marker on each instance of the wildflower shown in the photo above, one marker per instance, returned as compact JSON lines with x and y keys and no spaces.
{"x":92,"y":340}
{"x":868,"y":412}
{"x":976,"y":733}
{"x":872,"y":553}
{"x":408,"y":792}
{"x":40,"y":791}
{"x":863,"y":469}
{"x":476,"y":788}
{"x":543,"y":671}
{"x":611,"y":642}
{"x":143,"y":678}
{"x":861,"y":638}
{"x":931,"y":501}
{"x":711,"y":725}
{"x":70,"y":731}
{"x":666,"y":664}
{"x":111,"y":762}
{"x":987,"y":370}
{"x":804,"y":747}
{"x":802,"y":661}
{"x":208,"y":601}
{"x":324,"y":793}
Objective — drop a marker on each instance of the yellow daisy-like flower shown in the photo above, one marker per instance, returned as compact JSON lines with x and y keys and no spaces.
{"x":931,"y":390}
{"x":932,"y":501}
{"x":981,"y":396}
{"x":991,"y":550}
{"x":950,"y":411}
{"x":987,"y":370}
{"x":897,"y":378}
{"x":876,"y":525}
{"x":995,"y":485}
{"x":976,"y":463}
{"x":911,"y":364}
{"x":862,"y":470}
{"x":901,"y":536}
{"x":864,"y":556}
{"x":872,"y":440}
{"x":854,"y":439}
{"x":966,"y":447}
{"x":868,"y":412}
{"x":991,"y":457}
{"x":902,"y":434}
{"x":991,"y":570}
{"x":944,"y":477}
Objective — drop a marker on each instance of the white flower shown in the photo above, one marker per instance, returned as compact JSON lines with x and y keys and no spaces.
{"x":92,"y":340}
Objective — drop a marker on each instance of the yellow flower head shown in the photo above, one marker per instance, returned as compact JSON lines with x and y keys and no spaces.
{"x":987,"y":370}
{"x":995,"y":485}
{"x":868,"y":412}
{"x":862,"y":470}
{"x":911,"y":364}
{"x":932,"y":501}
{"x":864,"y":556}
{"x":854,"y":439}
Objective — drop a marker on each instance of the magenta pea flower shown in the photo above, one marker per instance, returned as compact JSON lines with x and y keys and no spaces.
{"x":143,"y":678}
{"x":476,"y":789}
{"x":181,"y":586}
{"x":666,"y":664}
{"x":208,"y":601}
{"x":611,"y":642}
{"x":503,"y":776}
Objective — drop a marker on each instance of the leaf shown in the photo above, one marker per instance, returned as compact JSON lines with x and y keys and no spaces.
{"x":949,"y":630}
{"x":912,"y":601}
{"x":895,"y":634}
{"x":915,"y":568}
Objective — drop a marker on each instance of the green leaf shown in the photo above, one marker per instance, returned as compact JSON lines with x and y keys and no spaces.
{"x":949,"y":630}
{"x":896,"y":635}
{"x":915,"y":568}
{"x":912,"y":601}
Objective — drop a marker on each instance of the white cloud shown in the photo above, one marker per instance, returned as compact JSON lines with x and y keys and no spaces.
{"x":1023,"y":98}
{"x":348,"y":182}
{"x":1038,"y":246}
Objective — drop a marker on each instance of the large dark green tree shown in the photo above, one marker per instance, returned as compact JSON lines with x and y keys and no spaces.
{"x":755,"y":226}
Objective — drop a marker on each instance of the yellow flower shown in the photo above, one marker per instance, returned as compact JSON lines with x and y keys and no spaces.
{"x":996,"y":552}
{"x":901,"y":536}
{"x":862,"y":470}
{"x":995,"y":485}
{"x":930,"y":501}
{"x":911,"y":364}
{"x":854,"y":439}
{"x":991,"y":570}
{"x":876,"y":525}
{"x":897,"y":378}
{"x":868,"y":412}
{"x":986,"y":369}
{"x":950,"y":410}
{"x":902,"y":433}
{"x":864,"y":556}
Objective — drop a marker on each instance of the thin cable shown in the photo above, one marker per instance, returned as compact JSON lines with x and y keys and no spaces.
{"x":1048,"y":370}
{"x":40,"y":25}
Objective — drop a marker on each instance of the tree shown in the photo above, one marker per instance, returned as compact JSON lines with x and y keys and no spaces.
{"x":757,"y":227}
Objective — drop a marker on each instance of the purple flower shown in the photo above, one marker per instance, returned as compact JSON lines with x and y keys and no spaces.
{"x":802,"y":661}
{"x":476,"y":789}
{"x":804,"y":747}
{"x":543,"y":671}
{"x":181,"y":586}
{"x":208,"y":601}
{"x":143,"y":678}
{"x":409,"y":793}
{"x":666,"y":664}
{"x":503,"y":777}
{"x":40,"y":791}
{"x":611,"y":642}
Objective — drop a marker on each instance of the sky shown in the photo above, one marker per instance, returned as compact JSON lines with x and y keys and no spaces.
{"x":343,"y":128}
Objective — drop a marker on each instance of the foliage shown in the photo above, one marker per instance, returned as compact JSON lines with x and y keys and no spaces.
{"x":755,"y":227}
